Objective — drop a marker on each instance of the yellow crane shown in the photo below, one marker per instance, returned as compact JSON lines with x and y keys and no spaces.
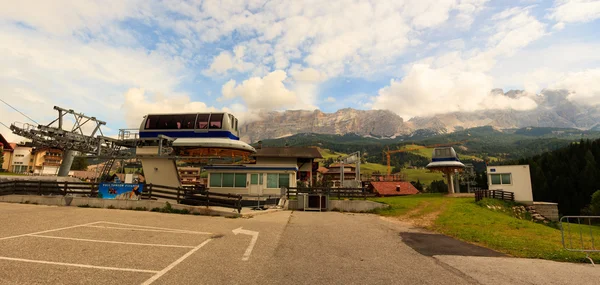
{"x":388,"y":153}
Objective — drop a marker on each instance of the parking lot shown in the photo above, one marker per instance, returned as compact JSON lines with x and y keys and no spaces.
{"x":70,"y":245}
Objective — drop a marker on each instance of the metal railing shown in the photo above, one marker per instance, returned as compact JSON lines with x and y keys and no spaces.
{"x":331,"y":192}
{"x":586,"y":234}
{"x":494,"y":194}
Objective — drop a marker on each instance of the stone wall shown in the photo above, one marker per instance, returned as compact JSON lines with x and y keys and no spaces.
{"x":548,"y":210}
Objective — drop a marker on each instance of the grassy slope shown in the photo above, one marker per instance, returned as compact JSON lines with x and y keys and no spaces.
{"x":423,"y":175}
{"x":463,"y":219}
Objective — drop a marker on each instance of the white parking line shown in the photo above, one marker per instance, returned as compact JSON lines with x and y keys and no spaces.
{"x":48,"y":231}
{"x":166,"y":269}
{"x":116,"y":242}
{"x":147,"y":230}
{"x":155,"y":228}
{"x":77,"y":265}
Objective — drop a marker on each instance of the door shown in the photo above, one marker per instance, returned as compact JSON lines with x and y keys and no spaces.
{"x":256,"y":183}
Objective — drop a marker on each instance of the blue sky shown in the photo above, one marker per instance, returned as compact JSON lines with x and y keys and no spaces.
{"x":119,"y":60}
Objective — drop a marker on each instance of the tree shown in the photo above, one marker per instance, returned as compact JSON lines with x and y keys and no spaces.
{"x":79,"y":163}
{"x":438,"y":186}
{"x":417,"y":185}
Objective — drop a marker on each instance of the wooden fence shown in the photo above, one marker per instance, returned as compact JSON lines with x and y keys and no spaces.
{"x":494,"y":194}
{"x":150,"y":192}
{"x":331,"y":192}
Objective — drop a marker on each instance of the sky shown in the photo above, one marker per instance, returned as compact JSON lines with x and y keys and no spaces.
{"x":119,"y":60}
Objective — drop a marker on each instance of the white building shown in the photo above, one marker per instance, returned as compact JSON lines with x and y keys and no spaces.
{"x":21,"y":159}
{"x":274,"y":168}
{"x":511,"y":178}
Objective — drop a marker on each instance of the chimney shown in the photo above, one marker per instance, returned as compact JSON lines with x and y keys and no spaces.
{"x":259,"y":145}
{"x":397,"y":188}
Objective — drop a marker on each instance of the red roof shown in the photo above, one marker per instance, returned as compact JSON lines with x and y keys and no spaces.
{"x":388,"y":188}
{"x":322,"y":169}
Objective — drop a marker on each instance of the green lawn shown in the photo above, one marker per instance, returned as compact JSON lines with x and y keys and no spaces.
{"x":463,"y":219}
{"x":423,"y":175}
{"x":372,"y":167}
{"x":11,"y":174}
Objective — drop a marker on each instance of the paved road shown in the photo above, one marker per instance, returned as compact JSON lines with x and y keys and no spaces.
{"x":100,"y":246}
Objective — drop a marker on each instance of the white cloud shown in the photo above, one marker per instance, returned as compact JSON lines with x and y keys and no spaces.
{"x":558,"y":26}
{"x":573,"y":11}
{"x":330,"y":100}
{"x":427,"y":91}
{"x":267,"y":93}
{"x":583,"y":85}
{"x":64,"y":17}
{"x":226,"y":61}
{"x":450,"y":83}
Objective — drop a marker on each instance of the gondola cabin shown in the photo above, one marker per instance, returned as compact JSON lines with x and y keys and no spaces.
{"x":444,"y":157}
{"x":196,"y":130}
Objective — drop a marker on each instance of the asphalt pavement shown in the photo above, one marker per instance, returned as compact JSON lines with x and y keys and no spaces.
{"x":70,"y":245}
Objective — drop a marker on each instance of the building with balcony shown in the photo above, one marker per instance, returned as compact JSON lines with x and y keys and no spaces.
{"x":189,"y":176}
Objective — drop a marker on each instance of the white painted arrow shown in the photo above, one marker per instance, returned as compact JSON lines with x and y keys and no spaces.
{"x":252,"y":242}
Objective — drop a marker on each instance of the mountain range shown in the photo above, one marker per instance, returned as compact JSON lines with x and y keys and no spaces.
{"x":553,"y":110}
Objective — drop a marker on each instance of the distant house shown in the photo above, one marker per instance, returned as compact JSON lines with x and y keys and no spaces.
{"x":393,"y":188}
{"x":334,"y":173}
{"x":274,"y":168}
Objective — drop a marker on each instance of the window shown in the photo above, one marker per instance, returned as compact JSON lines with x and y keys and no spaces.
{"x":240,"y":180}
{"x":237,"y":180}
{"x":500,"y":179}
{"x":232,"y":122}
{"x":203,"y":121}
{"x":171,"y":122}
{"x":215,"y":179}
{"x":228,"y":179}
{"x":216,"y":121}
{"x":284,"y":180}
{"x":20,"y":155}
{"x":254,"y":179}
{"x":188,"y":121}
{"x":278,"y":180}
{"x":236,"y":125}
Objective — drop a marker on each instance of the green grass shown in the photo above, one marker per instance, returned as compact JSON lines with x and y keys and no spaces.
{"x":423,"y":175}
{"x":11,"y":174}
{"x":463,"y":219}
{"x":372,"y":167}
{"x":330,"y":154}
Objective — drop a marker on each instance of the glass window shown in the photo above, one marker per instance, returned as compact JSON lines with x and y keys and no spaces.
{"x":232,"y":122}
{"x":254,"y":179}
{"x":272,"y":180}
{"x":236,"y":124}
{"x":240,"y":180}
{"x":203,"y":121}
{"x":152,"y":122}
{"x":216,"y":121}
{"x":215,"y":179}
{"x":188,"y":121}
{"x":228,"y":179}
{"x":505,"y":178}
{"x":284,"y":180}
{"x":496,"y":179}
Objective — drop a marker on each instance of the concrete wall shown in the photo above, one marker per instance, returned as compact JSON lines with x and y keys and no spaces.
{"x":105,"y":203}
{"x":520,"y":181}
{"x":17,"y":160}
{"x":355,"y":206}
{"x":548,"y":210}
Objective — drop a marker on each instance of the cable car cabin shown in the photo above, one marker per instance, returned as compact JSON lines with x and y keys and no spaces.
{"x":199,"y":130}
{"x":444,"y":157}
{"x":203,"y":125}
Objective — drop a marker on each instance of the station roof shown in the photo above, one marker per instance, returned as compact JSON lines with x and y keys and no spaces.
{"x":295,"y":152}
{"x":5,"y":144}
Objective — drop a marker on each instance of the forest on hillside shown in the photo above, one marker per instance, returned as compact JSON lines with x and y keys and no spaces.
{"x":568,"y":176}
